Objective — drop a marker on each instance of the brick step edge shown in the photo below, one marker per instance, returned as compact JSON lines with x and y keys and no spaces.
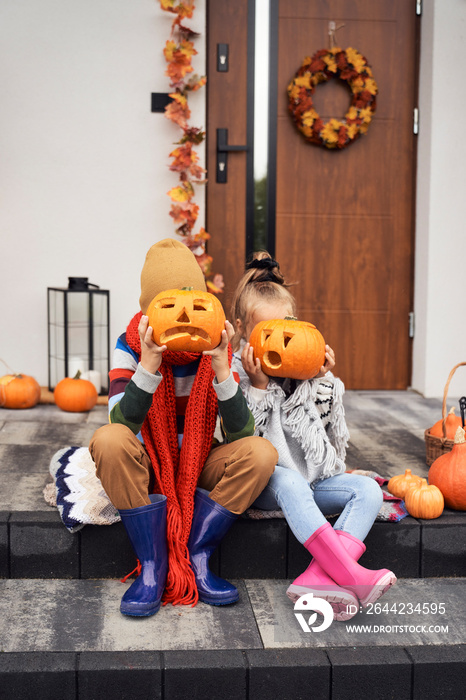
{"x":37,"y":545}
{"x":257,"y":674}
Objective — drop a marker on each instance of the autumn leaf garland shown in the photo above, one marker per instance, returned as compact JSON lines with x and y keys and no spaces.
{"x":178,"y":52}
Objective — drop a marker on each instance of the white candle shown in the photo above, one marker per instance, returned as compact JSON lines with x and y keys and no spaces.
{"x":93,"y":376}
{"x":75,"y":364}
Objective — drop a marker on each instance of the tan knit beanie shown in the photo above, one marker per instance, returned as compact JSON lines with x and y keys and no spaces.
{"x":169,"y":265}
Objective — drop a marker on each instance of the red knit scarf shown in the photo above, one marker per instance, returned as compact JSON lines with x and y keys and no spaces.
{"x":177,"y":472}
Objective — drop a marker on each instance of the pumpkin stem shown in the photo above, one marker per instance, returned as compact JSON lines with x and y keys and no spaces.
{"x":187,"y":289}
{"x":291,"y":318}
{"x":460,"y":436}
{"x":77,"y":375}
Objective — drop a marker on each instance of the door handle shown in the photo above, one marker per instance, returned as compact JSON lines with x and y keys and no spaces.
{"x":223,"y":148}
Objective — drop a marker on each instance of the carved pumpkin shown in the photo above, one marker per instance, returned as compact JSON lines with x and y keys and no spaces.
{"x":448,"y":473}
{"x":186,"y":320}
{"x":452,"y":422}
{"x":288,"y":348}
{"x":398,"y":485}
{"x":18,"y":391}
{"x":75,"y":395}
{"x":424,"y":501}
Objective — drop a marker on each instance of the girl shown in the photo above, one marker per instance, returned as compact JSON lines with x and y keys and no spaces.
{"x":305,"y":421}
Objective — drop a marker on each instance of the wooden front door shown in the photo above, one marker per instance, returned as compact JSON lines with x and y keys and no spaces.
{"x":343,"y":219}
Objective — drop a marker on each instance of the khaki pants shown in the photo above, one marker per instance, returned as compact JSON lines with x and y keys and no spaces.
{"x":234,"y":474}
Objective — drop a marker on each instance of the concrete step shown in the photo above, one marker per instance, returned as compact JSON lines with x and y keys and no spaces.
{"x":66,"y":639}
{"x":37,"y":545}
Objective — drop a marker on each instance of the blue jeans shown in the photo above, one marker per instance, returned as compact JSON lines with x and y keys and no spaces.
{"x":357,"y":498}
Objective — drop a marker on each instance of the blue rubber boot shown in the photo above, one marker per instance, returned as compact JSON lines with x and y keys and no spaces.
{"x":211,"y":522}
{"x":147,"y":530}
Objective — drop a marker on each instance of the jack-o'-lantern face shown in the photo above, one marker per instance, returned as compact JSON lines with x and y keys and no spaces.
{"x":288,"y":348}
{"x":186,"y":320}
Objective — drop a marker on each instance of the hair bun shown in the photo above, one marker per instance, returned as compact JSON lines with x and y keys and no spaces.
{"x":263,"y":264}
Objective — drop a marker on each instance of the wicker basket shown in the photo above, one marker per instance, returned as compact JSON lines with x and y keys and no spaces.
{"x":437,"y":446}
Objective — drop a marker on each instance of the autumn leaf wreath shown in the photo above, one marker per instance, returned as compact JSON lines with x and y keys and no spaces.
{"x":347,"y":65}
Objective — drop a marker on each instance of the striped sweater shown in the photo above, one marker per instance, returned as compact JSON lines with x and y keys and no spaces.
{"x":132,"y":389}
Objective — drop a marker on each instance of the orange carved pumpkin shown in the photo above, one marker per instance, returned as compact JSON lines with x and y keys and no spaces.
{"x":288,"y":348}
{"x":75,"y":395}
{"x":398,"y":485}
{"x":452,"y":422}
{"x":186,"y":320}
{"x":18,"y":391}
{"x":424,"y":501}
{"x":448,"y":473}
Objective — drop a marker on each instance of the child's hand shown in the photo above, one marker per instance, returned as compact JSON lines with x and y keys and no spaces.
{"x":253,"y":369}
{"x":219,"y":354}
{"x":151,"y":354}
{"x":329,"y":363}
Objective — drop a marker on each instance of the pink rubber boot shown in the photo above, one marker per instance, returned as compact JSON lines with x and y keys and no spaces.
{"x":314,"y":580}
{"x":336,"y":553}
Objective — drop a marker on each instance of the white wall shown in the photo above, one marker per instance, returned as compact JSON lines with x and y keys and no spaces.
{"x":83,"y":161}
{"x":84,"y":176}
{"x":440,"y":284}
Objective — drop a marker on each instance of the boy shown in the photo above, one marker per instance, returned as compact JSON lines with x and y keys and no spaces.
{"x":159,"y":446}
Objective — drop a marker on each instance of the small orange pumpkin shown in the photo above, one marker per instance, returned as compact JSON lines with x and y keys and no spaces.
{"x":19,"y":391}
{"x":424,"y":501}
{"x":448,"y":473}
{"x":452,"y":422}
{"x":186,"y":320}
{"x":398,"y":485}
{"x":288,"y":348}
{"x":75,"y":395}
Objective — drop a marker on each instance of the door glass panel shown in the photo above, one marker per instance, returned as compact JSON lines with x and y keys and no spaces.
{"x":261,"y":121}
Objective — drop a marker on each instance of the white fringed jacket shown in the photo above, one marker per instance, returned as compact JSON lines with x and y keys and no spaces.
{"x":306,"y":424}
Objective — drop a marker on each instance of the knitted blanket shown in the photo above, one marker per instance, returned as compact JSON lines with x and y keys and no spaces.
{"x":78,"y":494}
{"x":77,"y":491}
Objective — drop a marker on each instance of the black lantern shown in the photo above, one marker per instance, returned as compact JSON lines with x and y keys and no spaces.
{"x":79,"y":332}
